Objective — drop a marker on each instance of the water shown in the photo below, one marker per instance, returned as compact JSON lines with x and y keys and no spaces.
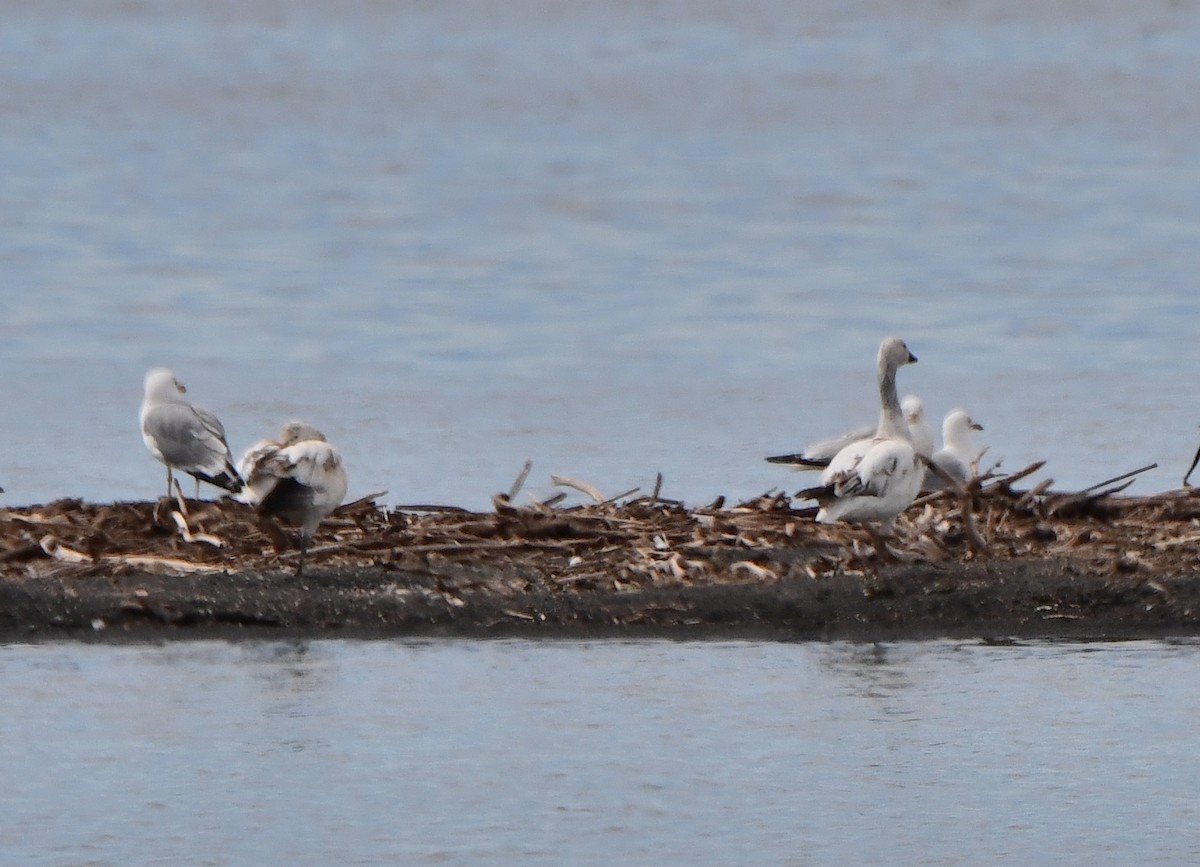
{"x":515,"y":752}
{"x":616,"y":238}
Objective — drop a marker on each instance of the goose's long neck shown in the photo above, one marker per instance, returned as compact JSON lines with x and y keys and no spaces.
{"x":891,"y":417}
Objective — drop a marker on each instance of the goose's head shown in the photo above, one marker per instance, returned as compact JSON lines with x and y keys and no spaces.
{"x":893,"y":353}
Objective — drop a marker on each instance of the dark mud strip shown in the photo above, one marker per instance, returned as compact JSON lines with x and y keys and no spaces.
{"x":989,"y":601}
{"x":991,"y":563}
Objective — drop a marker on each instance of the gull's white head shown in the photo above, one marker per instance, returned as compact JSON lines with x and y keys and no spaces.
{"x":958,"y":423}
{"x":893,"y":353}
{"x":161,"y":383}
{"x":914,"y":409}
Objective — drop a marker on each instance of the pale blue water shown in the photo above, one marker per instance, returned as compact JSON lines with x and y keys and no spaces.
{"x":616,"y":238}
{"x":516,"y":752}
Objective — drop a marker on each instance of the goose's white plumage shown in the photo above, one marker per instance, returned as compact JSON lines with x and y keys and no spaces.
{"x":957,"y":453}
{"x":299,"y":478}
{"x":183,"y":436}
{"x":819,"y":455}
{"x":881,"y":482}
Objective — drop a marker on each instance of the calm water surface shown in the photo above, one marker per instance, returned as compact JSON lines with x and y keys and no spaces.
{"x":513,"y":752}
{"x":615,"y":238}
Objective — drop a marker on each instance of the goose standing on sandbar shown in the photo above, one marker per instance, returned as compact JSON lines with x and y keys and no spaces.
{"x":298,"y":478}
{"x":880,"y":483}
{"x":185,"y":437}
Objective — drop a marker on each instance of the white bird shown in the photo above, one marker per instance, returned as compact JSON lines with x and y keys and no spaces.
{"x":298,"y":478}
{"x":919,"y":427}
{"x":816,"y":456}
{"x":958,"y":452}
{"x":882,"y":482}
{"x":183,"y":436}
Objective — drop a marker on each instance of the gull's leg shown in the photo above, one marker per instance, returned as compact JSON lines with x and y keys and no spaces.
{"x":303,"y":551}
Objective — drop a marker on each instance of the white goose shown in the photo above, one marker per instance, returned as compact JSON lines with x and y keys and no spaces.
{"x":299,"y":478}
{"x":880,"y":483}
{"x":816,"y":456}
{"x":957,"y":453}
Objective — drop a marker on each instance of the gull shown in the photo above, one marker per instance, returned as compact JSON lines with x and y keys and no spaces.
{"x":958,"y":452}
{"x":919,"y":427}
{"x":816,"y":456}
{"x":298,"y":478}
{"x":183,"y":436}
{"x":881,"y":482}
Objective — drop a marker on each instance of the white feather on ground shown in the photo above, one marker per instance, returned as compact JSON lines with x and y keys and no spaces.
{"x":183,"y":436}
{"x":298,"y":478}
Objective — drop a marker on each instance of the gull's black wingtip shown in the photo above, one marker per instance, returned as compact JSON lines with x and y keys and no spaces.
{"x":227,"y":479}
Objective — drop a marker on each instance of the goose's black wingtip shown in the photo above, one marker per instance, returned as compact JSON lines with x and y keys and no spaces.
{"x":821,"y":493}
{"x":796,"y":460}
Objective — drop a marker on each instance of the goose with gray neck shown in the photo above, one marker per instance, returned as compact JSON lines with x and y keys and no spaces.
{"x":880,"y":483}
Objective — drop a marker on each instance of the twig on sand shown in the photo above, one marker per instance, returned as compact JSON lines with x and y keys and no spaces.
{"x":519,"y":482}
{"x":1119,"y":478}
{"x":1097,"y":491}
{"x":189,"y":536}
{"x":584,"y":487}
{"x":1195,"y":461}
{"x":361,"y":501}
{"x":621,"y":496}
{"x":966,"y":508}
{"x":1005,"y":482}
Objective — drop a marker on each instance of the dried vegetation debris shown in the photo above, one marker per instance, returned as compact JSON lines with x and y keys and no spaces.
{"x":615,"y":544}
{"x":630,"y":558}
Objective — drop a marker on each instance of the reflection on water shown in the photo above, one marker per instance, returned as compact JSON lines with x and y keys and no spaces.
{"x":600,"y":752}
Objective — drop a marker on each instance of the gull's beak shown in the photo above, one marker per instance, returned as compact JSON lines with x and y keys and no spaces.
{"x":179,"y":385}
{"x":912,"y":359}
{"x":976,"y":426}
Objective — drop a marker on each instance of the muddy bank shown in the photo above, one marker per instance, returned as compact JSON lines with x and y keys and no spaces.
{"x":995,"y":563}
